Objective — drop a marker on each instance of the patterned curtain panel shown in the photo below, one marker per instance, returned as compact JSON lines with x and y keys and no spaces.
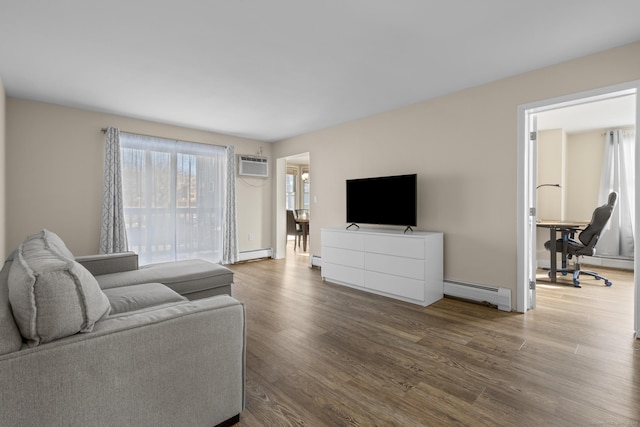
{"x":230,"y":253}
{"x":174,"y":198}
{"x":113,"y":236}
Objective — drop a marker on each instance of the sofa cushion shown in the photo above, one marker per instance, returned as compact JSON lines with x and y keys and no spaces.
{"x":135,"y":297}
{"x":10,"y":338}
{"x":184,"y":277}
{"x":51,"y":295}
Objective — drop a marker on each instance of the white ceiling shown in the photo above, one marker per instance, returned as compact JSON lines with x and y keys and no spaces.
{"x":273,"y":69}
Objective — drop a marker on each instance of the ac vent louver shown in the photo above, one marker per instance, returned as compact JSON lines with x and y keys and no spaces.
{"x":253,"y":166}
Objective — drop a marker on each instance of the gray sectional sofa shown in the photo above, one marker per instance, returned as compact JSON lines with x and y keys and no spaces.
{"x":99,"y":341}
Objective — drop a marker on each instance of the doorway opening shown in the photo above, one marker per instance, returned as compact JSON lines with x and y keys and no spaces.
{"x":293,"y":206}
{"x":556,"y":187}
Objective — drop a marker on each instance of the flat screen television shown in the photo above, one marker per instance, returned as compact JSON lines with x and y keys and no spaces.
{"x":385,"y":200}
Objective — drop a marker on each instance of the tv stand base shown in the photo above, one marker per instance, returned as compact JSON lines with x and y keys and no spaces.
{"x":408,"y":267}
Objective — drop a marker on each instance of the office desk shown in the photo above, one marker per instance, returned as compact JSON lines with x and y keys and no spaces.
{"x":567,"y":229}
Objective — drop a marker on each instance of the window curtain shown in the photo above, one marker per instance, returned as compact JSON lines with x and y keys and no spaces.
{"x":230,"y":252}
{"x":113,"y":236}
{"x":175,"y":199}
{"x":618,"y":174}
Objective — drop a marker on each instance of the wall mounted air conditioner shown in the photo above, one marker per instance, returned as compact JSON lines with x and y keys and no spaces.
{"x":253,"y":166}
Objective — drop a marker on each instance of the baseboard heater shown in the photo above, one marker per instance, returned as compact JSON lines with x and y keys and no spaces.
{"x":499,"y":297}
{"x":256,"y":254}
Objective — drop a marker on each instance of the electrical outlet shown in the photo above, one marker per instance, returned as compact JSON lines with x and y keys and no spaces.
{"x":251,"y":237}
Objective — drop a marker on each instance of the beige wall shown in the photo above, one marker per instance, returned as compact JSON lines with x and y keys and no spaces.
{"x":55,"y":171}
{"x":552,"y":153}
{"x":585,"y":153}
{"x":2,"y":170}
{"x":464,"y":148}
{"x":575,"y":161}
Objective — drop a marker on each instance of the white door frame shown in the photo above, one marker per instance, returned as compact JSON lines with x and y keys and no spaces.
{"x":280,"y":229}
{"x":526,"y":186}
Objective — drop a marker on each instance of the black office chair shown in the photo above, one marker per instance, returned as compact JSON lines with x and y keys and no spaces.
{"x":587,"y":240}
{"x":293,"y":229}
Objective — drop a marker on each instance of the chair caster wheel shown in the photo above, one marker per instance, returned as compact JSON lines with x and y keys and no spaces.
{"x":608,"y":283}
{"x":576,"y":284}
{"x":564,"y":273}
{"x":549,"y":274}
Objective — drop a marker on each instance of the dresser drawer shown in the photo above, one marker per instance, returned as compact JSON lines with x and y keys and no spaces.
{"x":398,"y":246}
{"x":394,"y":285}
{"x":344,"y":257}
{"x":344,"y":240}
{"x":404,"y":267}
{"x":342,"y":274}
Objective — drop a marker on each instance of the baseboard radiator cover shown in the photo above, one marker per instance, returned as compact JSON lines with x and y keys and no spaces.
{"x":315,"y":261}
{"x":499,"y":297}
{"x":256,"y":254}
{"x":593,"y":261}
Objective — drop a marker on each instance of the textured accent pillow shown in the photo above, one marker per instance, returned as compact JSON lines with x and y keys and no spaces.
{"x":54,"y":242}
{"x":51,"y":295}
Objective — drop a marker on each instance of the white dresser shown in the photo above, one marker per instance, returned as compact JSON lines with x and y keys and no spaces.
{"x":386,"y":262}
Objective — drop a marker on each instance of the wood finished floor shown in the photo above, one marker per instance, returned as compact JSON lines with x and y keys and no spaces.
{"x":319,"y":354}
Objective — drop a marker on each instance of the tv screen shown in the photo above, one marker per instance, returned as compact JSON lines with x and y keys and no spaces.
{"x":387,"y":200}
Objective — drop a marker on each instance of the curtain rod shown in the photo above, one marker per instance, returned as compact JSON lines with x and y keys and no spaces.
{"x":624,"y":129}
{"x":104,"y":130}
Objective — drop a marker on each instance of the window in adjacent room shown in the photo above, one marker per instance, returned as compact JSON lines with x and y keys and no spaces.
{"x":290,"y":187}
{"x":305,"y":187}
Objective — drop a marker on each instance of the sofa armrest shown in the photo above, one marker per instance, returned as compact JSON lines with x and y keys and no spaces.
{"x":178,"y":364}
{"x":109,"y":263}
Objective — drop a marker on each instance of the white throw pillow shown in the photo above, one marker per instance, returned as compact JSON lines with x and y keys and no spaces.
{"x":51,"y":295}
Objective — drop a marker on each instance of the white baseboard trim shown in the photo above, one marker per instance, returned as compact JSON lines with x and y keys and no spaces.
{"x":623,"y":264}
{"x":256,"y":254}
{"x":500,"y":297}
